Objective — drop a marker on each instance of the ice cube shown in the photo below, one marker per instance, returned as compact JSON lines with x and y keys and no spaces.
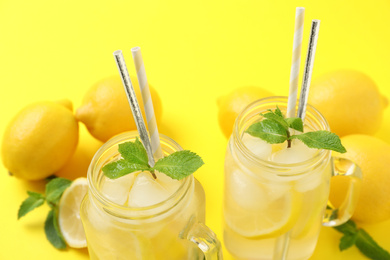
{"x":146,"y":191}
{"x":246,"y":192}
{"x":260,"y":148}
{"x":253,"y":194}
{"x":117,"y":190}
{"x":298,"y":152}
{"x":167,"y":182}
{"x":309,"y":182}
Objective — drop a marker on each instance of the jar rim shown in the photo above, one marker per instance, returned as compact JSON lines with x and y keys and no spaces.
{"x":280,"y":168}
{"x":122,"y":210}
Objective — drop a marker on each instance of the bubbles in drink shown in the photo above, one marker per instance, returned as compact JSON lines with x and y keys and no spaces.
{"x":257,"y":146}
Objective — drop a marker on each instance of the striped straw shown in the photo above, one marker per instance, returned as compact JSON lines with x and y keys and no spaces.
{"x":311,"y":51}
{"x":148,"y":104}
{"x":296,"y":61}
{"x":139,"y":121}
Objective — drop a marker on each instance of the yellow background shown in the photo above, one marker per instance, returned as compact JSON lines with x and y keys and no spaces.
{"x":194,"y":52}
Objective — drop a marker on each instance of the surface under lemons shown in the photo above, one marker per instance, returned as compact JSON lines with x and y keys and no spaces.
{"x":194,"y":52}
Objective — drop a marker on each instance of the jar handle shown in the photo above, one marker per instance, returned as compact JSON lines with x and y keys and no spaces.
{"x":337,"y":216}
{"x":206,"y":240}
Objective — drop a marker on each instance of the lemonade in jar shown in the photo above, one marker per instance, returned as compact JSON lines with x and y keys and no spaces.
{"x":276,"y":195}
{"x":137,"y":216}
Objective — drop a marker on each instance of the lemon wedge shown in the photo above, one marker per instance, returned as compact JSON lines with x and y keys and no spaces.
{"x":278,"y":218}
{"x":69,"y":213}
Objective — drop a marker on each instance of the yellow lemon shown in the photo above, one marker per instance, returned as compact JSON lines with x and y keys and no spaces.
{"x":78,"y":164}
{"x":233,"y":103}
{"x":40,"y":140}
{"x":276,"y":219}
{"x":349,"y":100}
{"x":106,"y":112}
{"x":373,"y":156}
{"x":69,"y":213}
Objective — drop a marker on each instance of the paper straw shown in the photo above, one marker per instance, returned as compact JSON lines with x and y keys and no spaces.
{"x":120,"y":62}
{"x":311,"y":51}
{"x":148,"y":103}
{"x":296,"y":61}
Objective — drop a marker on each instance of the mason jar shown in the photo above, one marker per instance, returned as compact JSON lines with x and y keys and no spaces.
{"x":274,"y":210}
{"x":172,"y":229}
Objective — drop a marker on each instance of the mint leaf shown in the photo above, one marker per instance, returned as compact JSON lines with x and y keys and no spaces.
{"x":369,"y":247}
{"x":55,"y":188}
{"x":278,"y":111}
{"x":179,"y":165}
{"x":348,"y":227}
{"x":321,"y":140}
{"x":295,"y":123}
{"x":122,"y":167}
{"x":362,"y":240}
{"x":276,"y":116}
{"x":270,"y":131}
{"x":347,"y":241}
{"x":134,"y":159}
{"x":33,"y":201}
{"x":52,"y":231}
{"x":134,"y":152}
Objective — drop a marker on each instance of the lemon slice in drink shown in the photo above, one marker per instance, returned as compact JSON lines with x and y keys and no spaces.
{"x":69,"y":213}
{"x":276,"y":219}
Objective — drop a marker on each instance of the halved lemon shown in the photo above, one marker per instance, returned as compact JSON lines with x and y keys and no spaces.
{"x":69,"y":213}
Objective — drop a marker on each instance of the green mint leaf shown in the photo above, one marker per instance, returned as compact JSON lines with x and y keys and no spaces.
{"x":134,"y":152}
{"x":295,"y":123}
{"x":278,"y":112}
{"x":179,"y":165}
{"x":52,"y":231}
{"x":54,"y":189}
{"x":348,"y":227}
{"x":270,"y":131}
{"x":122,"y":167}
{"x":134,"y":159}
{"x":276,"y":116}
{"x":366,"y":244}
{"x":347,"y":241}
{"x":33,"y":201}
{"x":321,"y":140}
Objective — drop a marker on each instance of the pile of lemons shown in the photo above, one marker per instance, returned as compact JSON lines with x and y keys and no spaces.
{"x":42,"y":137}
{"x":41,"y":141}
{"x":353,"y":107}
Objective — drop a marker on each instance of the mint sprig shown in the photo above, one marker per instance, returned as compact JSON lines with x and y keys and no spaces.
{"x":362,"y":240}
{"x":275,"y":128}
{"x":53,"y":192}
{"x":177,"y":165}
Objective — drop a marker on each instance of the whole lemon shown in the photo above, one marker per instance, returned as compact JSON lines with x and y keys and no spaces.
{"x":231,"y":105}
{"x":40,"y":140}
{"x":106,"y":111}
{"x":78,"y":164}
{"x":349,"y":100}
{"x":373,"y":156}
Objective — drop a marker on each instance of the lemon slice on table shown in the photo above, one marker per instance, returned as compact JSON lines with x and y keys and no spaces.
{"x":69,"y":213}
{"x":276,"y":219}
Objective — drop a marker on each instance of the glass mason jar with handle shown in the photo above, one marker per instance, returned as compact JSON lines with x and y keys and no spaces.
{"x":171,"y":229}
{"x":276,"y":198}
